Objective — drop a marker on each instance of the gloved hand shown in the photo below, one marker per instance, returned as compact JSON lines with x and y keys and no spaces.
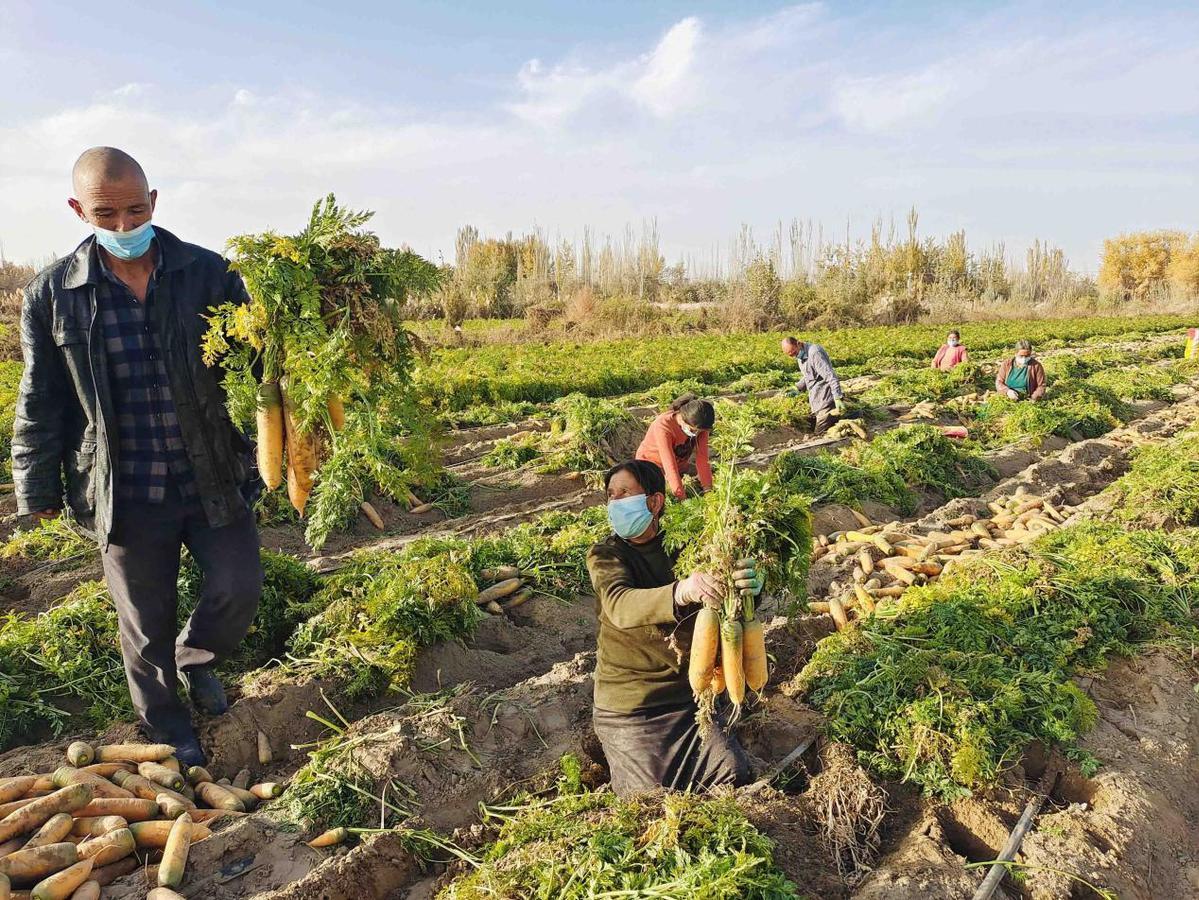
{"x":698,"y":587}
{"x":839,"y":406}
{"x":747,"y":579}
{"x":791,"y":392}
{"x":1012,"y":395}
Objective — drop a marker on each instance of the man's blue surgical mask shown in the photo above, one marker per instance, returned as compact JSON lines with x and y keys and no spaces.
{"x":803,"y":354}
{"x":629,"y":516}
{"x":126,"y":244}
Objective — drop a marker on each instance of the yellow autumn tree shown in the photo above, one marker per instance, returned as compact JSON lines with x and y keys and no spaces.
{"x":1184,"y":268}
{"x":1135,"y":264}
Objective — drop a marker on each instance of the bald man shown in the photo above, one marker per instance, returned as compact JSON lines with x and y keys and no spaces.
{"x":118,"y":416}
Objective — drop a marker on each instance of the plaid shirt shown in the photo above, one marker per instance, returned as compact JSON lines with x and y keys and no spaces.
{"x":150,"y":441}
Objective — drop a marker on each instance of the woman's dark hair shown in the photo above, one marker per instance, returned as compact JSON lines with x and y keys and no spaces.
{"x":955,"y":333}
{"x":647,"y":474}
{"x":699,"y":414}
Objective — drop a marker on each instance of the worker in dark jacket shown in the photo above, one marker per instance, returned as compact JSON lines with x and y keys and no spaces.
{"x":645,"y":714}
{"x":118,"y":416}
{"x":818,"y":377}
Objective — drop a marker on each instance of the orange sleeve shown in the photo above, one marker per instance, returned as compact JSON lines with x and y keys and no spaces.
{"x":940,"y":356}
{"x":703,"y":466}
{"x":965,"y":355}
{"x":664,"y":447}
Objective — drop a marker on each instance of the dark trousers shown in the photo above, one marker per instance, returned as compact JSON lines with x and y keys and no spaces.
{"x":822,"y":419}
{"x":656,"y":748}
{"x":141,"y":568}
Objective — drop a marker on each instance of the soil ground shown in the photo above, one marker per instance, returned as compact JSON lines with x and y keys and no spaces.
{"x":524,"y":681}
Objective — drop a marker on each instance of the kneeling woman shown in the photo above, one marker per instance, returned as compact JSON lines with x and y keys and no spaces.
{"x":675,"y":437}
{"x":645,"y":714}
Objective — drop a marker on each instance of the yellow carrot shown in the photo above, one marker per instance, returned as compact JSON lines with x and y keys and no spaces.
{"x":753,"y":652}
{"x":269,"y":419}
{"x":330,"y":838}
{"x":732,"y":661}
{"x":80,"y":754}
{"x":108,"y":848}
{"x":61,"y":885}
{"x":301,"y":456}
{"x":35,"y":864}
{"x":16,"y":788}
{"x":134,"y":752}
{"x":337,"y":412}
{"x":40,"y":810}
{"x":704,"y":642}
{"x":55,"y":831}
{"x":174,"y":855}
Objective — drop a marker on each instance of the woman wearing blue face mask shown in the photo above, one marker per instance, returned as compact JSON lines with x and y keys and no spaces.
{"x":645,"y":715}
{"x":1022,"y":377}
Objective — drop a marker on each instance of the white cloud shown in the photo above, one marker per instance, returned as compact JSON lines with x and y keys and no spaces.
{"x":1080,"y":127}
{"x":879,"y":103}
{"x":656,"y":82}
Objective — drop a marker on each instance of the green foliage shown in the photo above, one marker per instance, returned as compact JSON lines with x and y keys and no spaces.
{"x":10,"y":381}
{"x":581,"y":845}
{"x":537,"y":373}
{"x":587,"y":434}
{"x":1161,"y":486}
{"x":949,"y":690}
{"x":66,"y":662}
{"x":914,"y":385}
{"x":1071,"y":409}
{"x":829,"y":478}
{"x":62,"y":661}
{"x":53,"y":538}
{"x":1138,"y":382}
{"x":921,"y":456}
{"x":513,"y":452}
{"x":745,"y":514}
{"x":377,"y":613}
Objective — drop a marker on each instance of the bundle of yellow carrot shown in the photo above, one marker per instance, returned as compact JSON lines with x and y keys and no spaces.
{"x":110,"y":811}
{"x":323,"y":321}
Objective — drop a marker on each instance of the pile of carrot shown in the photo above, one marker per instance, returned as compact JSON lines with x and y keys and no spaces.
{"x":110,"y":811}
{"x":888,"y":559}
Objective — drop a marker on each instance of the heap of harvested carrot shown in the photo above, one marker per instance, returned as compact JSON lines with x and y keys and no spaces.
{"x":507,"y":589}
{"x":110,"y":811}
{"x":885,"y":560}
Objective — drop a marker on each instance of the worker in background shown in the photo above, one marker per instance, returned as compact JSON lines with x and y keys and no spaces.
{"x":818,"y":377}
{"x":952,"y":353}
{"x":644,"y":712}
{"x":1192,"y":348}
{"x":1022,"y":377}
{"x":677,"y":443}
{"x":118,"y":416}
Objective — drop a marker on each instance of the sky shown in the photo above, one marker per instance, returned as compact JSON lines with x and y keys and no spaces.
{"x":1068,"y":122}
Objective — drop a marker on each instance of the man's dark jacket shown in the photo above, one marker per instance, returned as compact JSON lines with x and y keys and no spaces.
{"x":65,"y":420}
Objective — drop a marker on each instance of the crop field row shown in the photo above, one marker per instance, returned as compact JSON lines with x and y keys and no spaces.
{"x":393,"y":701}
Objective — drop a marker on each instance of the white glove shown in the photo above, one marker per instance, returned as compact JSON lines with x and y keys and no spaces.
{"x":1012,"y":395}
{"x":698,"y":587}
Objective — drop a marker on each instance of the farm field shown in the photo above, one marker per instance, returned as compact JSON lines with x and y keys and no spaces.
{"x":964,"y":623}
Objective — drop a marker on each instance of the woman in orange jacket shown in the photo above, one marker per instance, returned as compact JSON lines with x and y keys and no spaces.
{"x":677,"y":442}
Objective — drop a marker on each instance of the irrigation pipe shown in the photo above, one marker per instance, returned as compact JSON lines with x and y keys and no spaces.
{"x":1012,"y":847}
{"x":774,"y":771}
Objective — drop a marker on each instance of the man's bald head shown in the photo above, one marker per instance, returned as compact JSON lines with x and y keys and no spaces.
{"x":111,"y":190}
{"x":105,"y":164}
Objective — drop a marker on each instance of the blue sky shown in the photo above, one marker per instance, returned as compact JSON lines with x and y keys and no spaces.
{"x":1062,"y":121}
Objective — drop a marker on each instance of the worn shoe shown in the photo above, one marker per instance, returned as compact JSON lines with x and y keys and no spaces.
{"x":206,"y":691}
{"x":183,"y":738}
